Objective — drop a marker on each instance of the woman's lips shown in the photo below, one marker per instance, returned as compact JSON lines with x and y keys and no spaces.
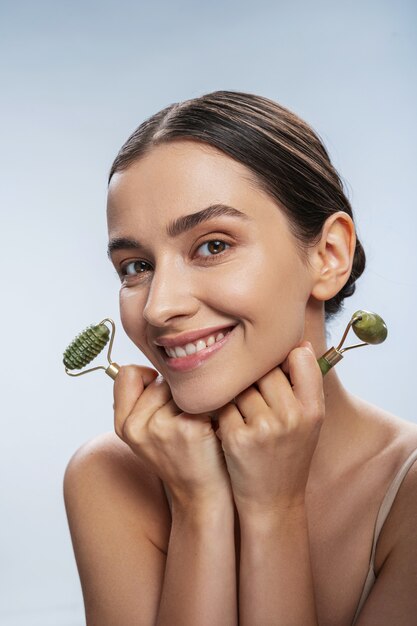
{"x":191,"y":361}
{"x":191,"y":336}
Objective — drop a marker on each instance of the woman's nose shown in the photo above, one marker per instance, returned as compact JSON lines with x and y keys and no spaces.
{"x":171,"y":294}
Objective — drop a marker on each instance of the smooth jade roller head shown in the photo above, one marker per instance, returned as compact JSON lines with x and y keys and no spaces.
{"x":87,"y":345}
{"x":370,"y":328}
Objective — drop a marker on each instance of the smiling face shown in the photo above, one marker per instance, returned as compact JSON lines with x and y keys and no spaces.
{"x":240,"y":269}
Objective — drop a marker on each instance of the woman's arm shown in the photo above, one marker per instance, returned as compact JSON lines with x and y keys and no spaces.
{"x":276,"y":583}
{"x":182,"y":449}
{"x":268,"y":455}
{"x":200,"y":576}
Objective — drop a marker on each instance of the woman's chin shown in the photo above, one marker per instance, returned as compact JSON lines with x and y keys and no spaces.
{"x":197,"y":405}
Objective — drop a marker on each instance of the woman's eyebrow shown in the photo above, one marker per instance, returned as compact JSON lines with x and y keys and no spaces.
{"x":180,"y":225}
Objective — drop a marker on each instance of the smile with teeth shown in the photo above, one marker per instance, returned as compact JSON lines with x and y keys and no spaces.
{"x":196,"y":346}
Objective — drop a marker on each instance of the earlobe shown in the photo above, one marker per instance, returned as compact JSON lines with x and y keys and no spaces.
{"x":333,"y":256}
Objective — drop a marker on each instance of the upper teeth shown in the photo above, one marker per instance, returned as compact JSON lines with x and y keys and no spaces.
{"x":191,"y":348}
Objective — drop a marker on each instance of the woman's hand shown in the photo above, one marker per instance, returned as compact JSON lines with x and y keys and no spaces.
{"x":182,"y":449}
{"x":268,"y":453}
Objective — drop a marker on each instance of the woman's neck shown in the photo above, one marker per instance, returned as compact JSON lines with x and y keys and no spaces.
{"x":342,"y":433}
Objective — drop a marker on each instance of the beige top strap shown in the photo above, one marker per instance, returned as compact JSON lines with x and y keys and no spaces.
{"x":383,"y":512}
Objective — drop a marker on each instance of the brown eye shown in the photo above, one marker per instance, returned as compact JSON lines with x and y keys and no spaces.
{"x":133,"y":268}
{"x":214,"y":247}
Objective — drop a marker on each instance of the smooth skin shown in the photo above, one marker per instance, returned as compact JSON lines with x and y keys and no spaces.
{"x":293,"y":458}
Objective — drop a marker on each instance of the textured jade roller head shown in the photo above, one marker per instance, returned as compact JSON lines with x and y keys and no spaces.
{"x":87,"y":345}
{"x":367,"y":326}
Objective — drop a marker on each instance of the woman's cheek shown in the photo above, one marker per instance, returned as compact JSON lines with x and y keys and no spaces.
{"x":130,"y":314}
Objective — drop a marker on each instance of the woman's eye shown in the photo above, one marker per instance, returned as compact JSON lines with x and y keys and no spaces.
{"x":214,"y":247}
{"x":133,"y":268}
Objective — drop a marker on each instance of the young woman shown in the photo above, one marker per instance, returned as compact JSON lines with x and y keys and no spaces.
{"x":240,"y":486}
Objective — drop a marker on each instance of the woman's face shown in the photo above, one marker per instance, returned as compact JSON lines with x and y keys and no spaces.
{"x":180,"y":274}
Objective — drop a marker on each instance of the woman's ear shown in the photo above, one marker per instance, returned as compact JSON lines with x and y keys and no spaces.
{"x":332,"y":256}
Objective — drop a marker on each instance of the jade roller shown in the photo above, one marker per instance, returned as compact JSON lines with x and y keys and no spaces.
{"x":87,"y":345}
{"x":367,"y":326}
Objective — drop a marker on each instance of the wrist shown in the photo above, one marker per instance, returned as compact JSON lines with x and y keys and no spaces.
{"x":203,"y":507}
{"x":279,"y":514}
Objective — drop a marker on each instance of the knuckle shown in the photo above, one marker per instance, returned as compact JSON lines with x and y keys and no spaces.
{"x":119,"y":432}
{"x":237,"y":441}
{"x":158,"y":427}
{"x":118,"y":427}
{"x":295,"y":419}
{"x":130,"y":430}
{"x":266,"y":430}
{"x":186,"y":429}
{"x":318,"y":417}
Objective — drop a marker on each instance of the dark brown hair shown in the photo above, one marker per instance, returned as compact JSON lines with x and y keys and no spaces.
{"x":286,"y":157}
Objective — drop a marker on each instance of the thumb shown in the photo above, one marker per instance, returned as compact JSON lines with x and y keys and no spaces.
{"x":136,"y":377}
{"x":285,"y":365}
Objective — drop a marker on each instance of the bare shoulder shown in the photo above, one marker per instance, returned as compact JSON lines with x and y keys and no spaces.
{"x":403,"y":515}
{"x":400,"y":525}
{"x":107,"y":449}
{"x":107,"y":446}
{"x":396,"y":440}
{"x":104,"y":469}
{"x":384,"y":430}
{"x":120,"y":526}
{"x":393,"y":599}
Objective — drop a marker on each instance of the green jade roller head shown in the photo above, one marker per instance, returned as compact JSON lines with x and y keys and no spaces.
{"x":369,"y":327}
{"x":87,"y":345}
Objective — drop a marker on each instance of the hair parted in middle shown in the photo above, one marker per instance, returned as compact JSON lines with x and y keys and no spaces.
{"x":286,"y":158}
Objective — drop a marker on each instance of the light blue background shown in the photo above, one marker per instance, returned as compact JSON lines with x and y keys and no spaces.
{"x":76,"y":79}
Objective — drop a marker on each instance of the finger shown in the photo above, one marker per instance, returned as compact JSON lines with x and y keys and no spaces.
{"x":276,"y":390}
{"x":251,"y":404}
{"x":128,"y":386}
{"x":229,"y":419}
{"x":307,"y":379}
{"x":285,"y":368}
{"x":160,"y":421}
{"x":285,"y":365}
{"x":129,"y":379}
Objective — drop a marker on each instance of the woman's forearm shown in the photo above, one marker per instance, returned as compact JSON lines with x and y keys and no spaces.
{"x":200,"y":576}
{"x":276,"y":583}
